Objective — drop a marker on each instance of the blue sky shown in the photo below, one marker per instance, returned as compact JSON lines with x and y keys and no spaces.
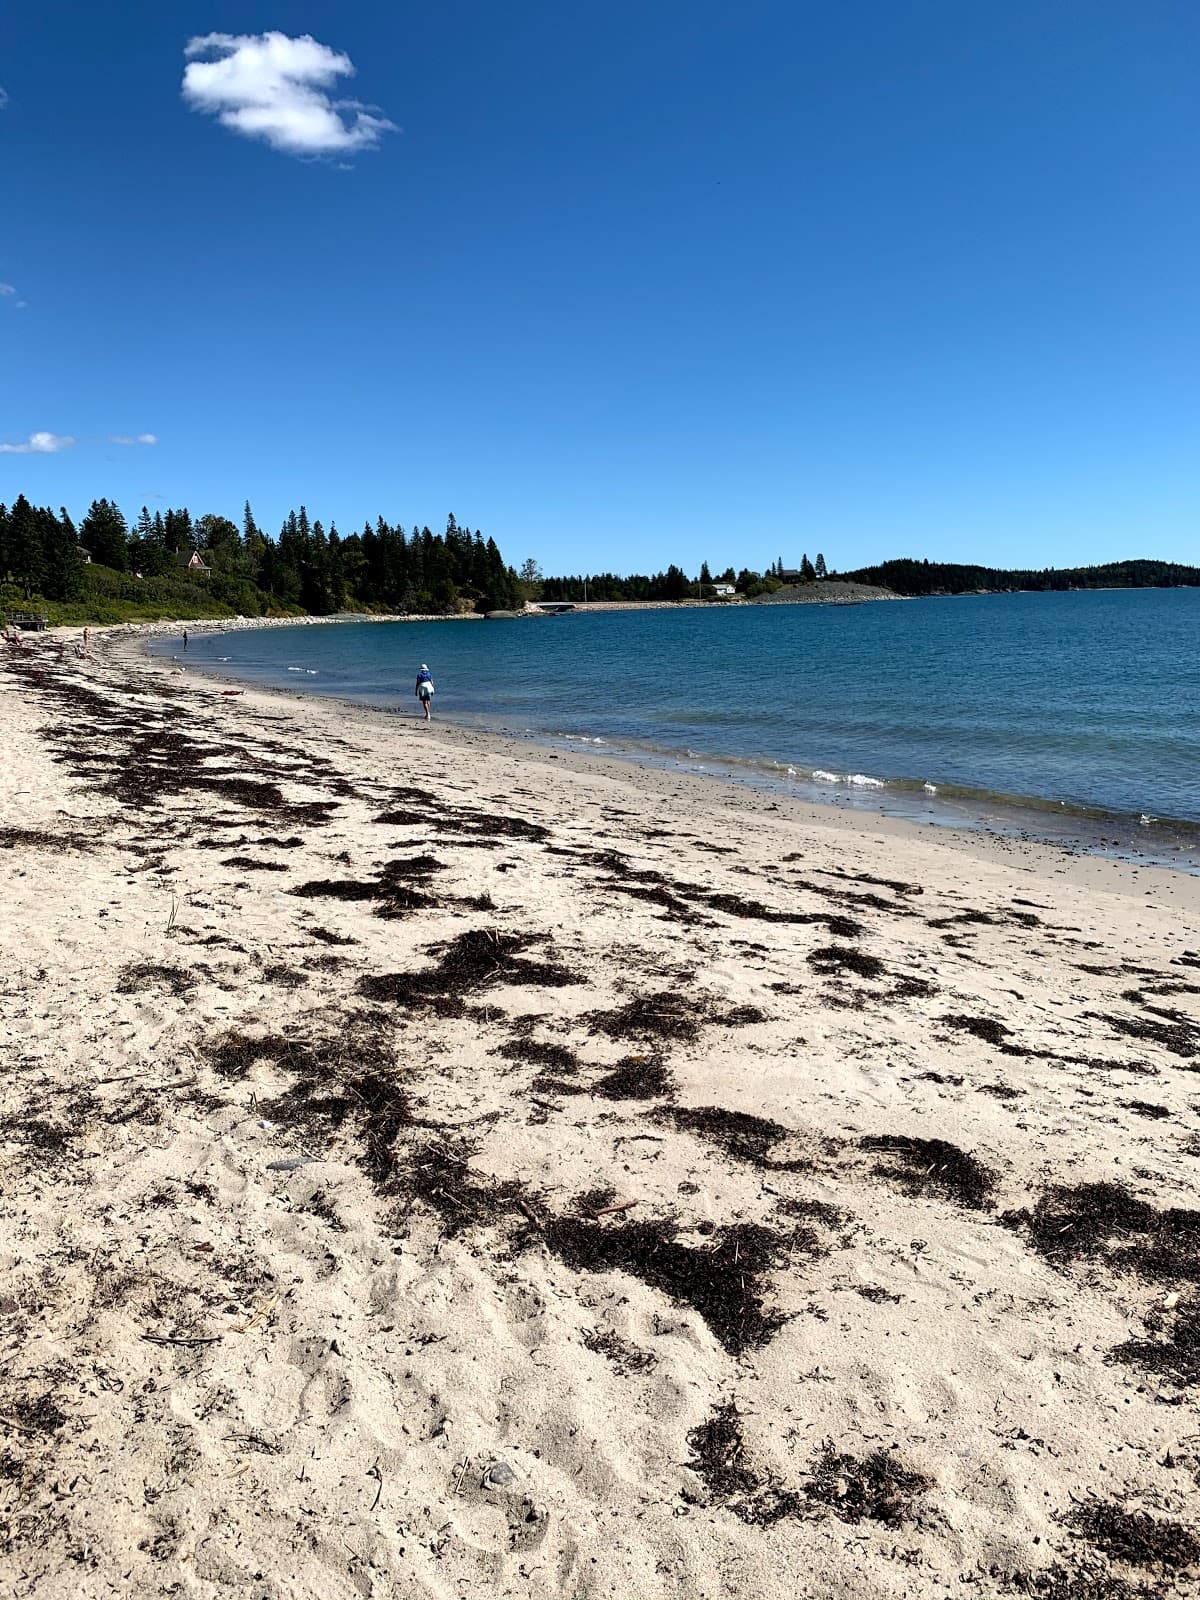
{"x":621,"y":284}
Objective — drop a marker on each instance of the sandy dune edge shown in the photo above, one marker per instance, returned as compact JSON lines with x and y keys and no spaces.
{"x":547,"y":1199}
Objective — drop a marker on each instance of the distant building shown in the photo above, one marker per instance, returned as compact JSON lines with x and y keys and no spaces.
{"x":83,"y":555}
{"x":193,"y":563}
{"x":724,"y":591}
{"x":791,"y":575}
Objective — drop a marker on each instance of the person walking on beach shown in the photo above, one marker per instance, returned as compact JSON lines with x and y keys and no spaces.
{"x":424,"y":689}
{"x":185,"y":638}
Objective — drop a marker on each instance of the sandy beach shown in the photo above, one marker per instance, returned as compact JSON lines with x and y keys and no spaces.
{"x":435,"y":1166}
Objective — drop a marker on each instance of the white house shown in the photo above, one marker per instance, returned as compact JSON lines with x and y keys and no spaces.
{"x":724,"y":591}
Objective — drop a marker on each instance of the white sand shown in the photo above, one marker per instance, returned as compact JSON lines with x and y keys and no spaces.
{"x":370,"y":1354}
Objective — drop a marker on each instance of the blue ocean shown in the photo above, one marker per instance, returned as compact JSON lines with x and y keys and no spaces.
{"x":1068,"y":716}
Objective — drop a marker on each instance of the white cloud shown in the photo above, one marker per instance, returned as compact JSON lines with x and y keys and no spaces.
{"x":139,"y":438}
{"x":39,"y":444}
{"x":7,"y":288}
{"x":269,"y":86}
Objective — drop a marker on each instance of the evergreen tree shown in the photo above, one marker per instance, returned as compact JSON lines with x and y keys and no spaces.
{"x":104,"y":536}
{"x":24,"y":547}
{"x":807,"y":571}
{"x":706,"y":582}
{"x":62,"y":570}
{"x":822,"y":571}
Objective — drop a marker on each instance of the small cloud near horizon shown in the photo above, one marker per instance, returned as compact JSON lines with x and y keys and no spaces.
{"x":137,"y":438}
{"x":275,"y":88}
{"x":39,"y":444}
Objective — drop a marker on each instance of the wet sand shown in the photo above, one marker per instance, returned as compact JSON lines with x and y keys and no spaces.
{"x":435,"y":1165}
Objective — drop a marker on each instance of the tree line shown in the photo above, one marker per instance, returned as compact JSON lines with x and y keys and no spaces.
{"x":911,"y":577}
{"x":307,"y":567}
{"x":674,"y":583}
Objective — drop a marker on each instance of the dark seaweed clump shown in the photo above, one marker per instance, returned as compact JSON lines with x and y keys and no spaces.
{"x":740,"y":1134}
{"x":1056,"y":1583}
{"x":1145,"y":1108}
{"x":251,"y":864}
{"x":348,"y":1080}
{"x":624,"y":1356}
{"x":556,"y":1057}
{"x":668,"y":1014}
{"x":1179,"y":1035}
{"x":349,"y":1083}
{"x":843,"y":958}
{"x":985,"y":1028}
{"x":394,"y":898}
{"x":723,"y":1282}
{"x":1176,"y":1357}
{"x":439,"y":1175}
{"x":325,"y":936}
{"x":1134,"y":1537}
{"x":1104,"y":1221}
{"x":875,"y":1488}
{"x":450,"y":820}
{"x":143,"y":975}
{"x":39,"y":839}
{"x":718,"y":1459}
{"x":921,"y":1166}
{"x":635,"y":1078}
{"x":474,"y":960}
{"x":734,"y":905}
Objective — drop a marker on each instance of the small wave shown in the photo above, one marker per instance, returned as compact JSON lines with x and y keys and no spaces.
{"x":295,"y":669}
{"x":312,"y":672}
{"x":1146,"y":821}
{"x":929,"y":788}
{"x":825,"y":777}
{"x":859,"y":780}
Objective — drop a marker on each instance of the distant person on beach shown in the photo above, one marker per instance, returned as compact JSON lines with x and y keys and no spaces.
{"x":85,"y":638}
{"x":424,"y":689}
{"x":185,"y":638}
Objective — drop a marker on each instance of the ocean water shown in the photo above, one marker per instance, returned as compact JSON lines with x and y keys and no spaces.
{"x":1062,"y":715}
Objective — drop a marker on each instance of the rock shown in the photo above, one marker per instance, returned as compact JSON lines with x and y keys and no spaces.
{"x":499,"y":1476}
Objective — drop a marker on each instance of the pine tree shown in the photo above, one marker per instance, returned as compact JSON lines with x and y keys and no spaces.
{"x":706,"y":582}
{"x":62,"y":570}
{"x":24,"y":546}
{"x":822,"y":570}
{"x":807,"y":571}
{"x":104,"y":536}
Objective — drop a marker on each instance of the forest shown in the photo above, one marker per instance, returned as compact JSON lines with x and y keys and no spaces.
{"x":107,"y":570}
{"x":909,"y":577}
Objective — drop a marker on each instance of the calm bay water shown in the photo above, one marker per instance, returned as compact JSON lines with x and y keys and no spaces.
{"x":1070,"y":715}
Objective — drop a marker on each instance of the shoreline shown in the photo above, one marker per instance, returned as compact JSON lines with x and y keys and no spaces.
{"x":1168,"y":843}
{"x":433,"y":1165}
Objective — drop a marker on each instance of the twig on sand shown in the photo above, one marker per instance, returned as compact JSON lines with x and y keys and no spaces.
{"x":621,"y":1205}
{"x":465,"y":1464}
{"x":261,"y":1315}
{"x":11,"y":1422}
{"x":376,"y":1472}
{"x":171,"y":1338}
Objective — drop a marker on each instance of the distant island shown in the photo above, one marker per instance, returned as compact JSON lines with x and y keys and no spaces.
{"x":905,"y":577}
{"x":909,"y":577}
{"x":170,"y":565}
